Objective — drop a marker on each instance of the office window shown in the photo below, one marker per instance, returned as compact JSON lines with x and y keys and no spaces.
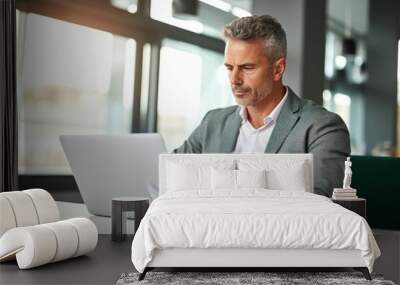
{"x":71,"y":80}
{"x":342,"y":106}
{"x":338,"y":103}
{"x":331,"y":53}
{"x":192,"y":81}
{"x":327,"y":100}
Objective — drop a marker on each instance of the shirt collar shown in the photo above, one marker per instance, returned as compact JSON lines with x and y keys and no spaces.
{"x":272,"y":117}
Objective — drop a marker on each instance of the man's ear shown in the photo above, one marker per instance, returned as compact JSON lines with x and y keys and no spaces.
{"x":279,"y":68}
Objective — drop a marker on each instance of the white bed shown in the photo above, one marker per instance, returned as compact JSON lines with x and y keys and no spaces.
{"x":219,"y":210}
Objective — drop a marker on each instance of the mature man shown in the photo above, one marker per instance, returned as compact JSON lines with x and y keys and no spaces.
{"x":270,"y":117}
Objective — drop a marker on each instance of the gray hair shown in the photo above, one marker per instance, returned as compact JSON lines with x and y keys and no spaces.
{"x":259,"y":27}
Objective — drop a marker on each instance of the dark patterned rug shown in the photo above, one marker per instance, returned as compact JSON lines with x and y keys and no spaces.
{"x":229,"y":278}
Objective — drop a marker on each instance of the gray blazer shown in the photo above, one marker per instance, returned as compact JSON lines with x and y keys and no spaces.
{"x":301,"y":127}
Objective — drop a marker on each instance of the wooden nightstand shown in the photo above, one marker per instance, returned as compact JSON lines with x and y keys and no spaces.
{"x":358,"y":205}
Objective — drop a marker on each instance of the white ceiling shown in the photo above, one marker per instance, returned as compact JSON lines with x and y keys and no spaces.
{"x":244,"y":4}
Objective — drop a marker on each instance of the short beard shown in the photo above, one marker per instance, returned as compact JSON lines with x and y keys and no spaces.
{"x":251,"y":100}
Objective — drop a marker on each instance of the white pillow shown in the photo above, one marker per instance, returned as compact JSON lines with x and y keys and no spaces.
{"x":237,"y":179}
{"x":181,"y":178}
{"x":183,"y":175}
{"x":223,"y":179}
{"x":251,"y":178}
{"x":284,"y":174}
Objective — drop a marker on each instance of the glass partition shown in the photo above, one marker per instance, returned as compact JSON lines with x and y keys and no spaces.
{"x":192,"y":81}
{"x":71,"y":80}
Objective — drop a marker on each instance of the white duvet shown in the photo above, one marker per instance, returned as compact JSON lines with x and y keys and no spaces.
{"x":253,"y":218}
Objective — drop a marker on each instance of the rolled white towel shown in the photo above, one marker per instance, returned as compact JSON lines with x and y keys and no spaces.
{"x":67,"y":240}
{"x":37,"y":245}
{"x":7,"y":218}
{"x":87,"y":235}
{"x":23,"y":208}
{"x":46,"y":207}
{"x":33,"y":246}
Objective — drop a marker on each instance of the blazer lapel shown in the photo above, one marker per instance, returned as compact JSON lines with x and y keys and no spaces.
{"x":287,"y":119}
{"x":230,"y":132}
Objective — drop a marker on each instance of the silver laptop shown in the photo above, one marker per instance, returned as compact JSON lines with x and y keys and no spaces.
{"x":108,"y":166}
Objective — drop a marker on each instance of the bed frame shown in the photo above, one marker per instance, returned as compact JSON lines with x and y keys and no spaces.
{"x":240,"y":259}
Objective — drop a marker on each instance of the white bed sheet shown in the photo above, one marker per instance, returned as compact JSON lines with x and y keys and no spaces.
{"x":252,"y":218}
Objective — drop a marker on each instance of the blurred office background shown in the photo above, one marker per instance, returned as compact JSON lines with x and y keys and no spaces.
{"x":121,"y":66}
{"x":124,"y":66}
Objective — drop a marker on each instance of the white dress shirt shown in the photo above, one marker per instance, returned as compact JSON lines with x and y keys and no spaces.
{"x":252,"y":140}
